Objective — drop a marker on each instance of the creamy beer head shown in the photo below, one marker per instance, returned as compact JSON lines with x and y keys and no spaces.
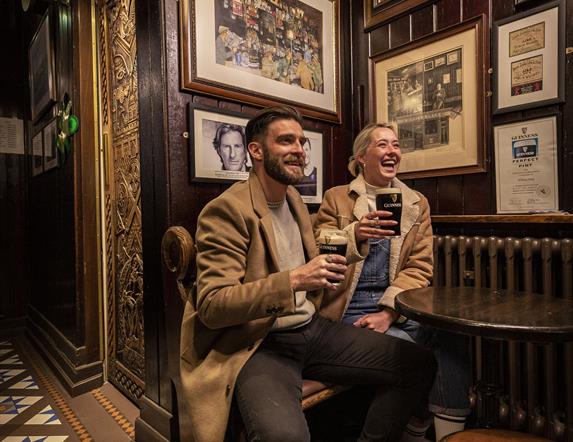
{"x":333,"y":242}
{"x":390,"y":200}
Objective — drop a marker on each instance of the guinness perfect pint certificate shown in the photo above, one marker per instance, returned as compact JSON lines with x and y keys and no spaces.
{"x":390,"y":200}
{"x":526,"y":166}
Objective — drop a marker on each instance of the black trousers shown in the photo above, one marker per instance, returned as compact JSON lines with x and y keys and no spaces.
{"x":268,"y":390}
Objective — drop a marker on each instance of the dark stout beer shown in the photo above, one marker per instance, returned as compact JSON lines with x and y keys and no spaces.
{"x":333,"y":242}
{"x":390,"y":200}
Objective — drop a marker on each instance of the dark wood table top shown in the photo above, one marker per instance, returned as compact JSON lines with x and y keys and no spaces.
{"x":500,"y":314}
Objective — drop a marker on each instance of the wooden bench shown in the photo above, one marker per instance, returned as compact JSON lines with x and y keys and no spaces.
{"x":178,"y":253}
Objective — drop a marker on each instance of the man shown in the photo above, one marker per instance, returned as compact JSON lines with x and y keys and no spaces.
{"x":229,"y":142}
{"x":250,"y":329}
{"x":222,"y":51}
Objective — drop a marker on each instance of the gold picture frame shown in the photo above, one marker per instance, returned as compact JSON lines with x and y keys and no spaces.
{"x":433,"y":92}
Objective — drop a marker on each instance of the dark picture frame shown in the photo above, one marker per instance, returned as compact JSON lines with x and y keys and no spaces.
{"x":42,"y":69}
{"x":50,"y":151}
{"x":37,"y":153}
{"x":252,"y":56}
{"x":378,"y":12}
{"x":433,"y":92}
{"x":218,"y":151}
{"x":529,"y":59}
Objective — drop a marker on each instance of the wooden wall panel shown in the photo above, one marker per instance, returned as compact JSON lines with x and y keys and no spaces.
{"x":14,"y":285}
{"x":400,"y":31}
{"x":380,"y":39}
{"x":422,"y":22}
{"x":448,"y":13}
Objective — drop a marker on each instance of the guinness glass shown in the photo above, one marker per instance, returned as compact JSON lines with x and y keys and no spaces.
{"x":333,"y":242}
{"x":390,"y":200}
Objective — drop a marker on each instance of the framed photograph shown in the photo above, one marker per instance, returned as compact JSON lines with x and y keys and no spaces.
{"x":37,"y":153}
{"x":264,"y":52}
{"x":218,"y":151}
{"x":526,"y":169}
{"x":378,"y":12}
{"x":50,"y":151}
{"x":432,"y":92}
{"x":528,"y":70}
{"x":41,"y":69}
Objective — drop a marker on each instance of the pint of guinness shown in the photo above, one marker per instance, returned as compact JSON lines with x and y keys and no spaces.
{"x":390,"y":200}
{"x":333,"y":242}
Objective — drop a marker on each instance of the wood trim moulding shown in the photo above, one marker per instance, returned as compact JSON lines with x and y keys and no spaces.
{"x":63,"y":356}
{"x":503,"y":219}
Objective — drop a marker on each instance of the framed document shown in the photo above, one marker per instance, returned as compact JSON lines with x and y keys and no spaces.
{"x":526,"y":166}
{"x":528,"y":68}
{"x":432,"y":92}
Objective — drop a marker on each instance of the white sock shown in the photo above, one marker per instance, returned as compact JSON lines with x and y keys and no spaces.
{"x":415,"y":431}
{"x":445,"y":425}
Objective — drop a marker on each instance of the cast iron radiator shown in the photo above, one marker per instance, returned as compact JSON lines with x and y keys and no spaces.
{"x":537,"y":380}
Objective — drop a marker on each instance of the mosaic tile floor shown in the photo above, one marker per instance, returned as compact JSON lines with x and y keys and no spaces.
{"x":35,"y":407}
{"x":27,"y":412}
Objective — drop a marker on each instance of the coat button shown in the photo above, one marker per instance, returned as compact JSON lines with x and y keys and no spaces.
{"x":228,"y":390}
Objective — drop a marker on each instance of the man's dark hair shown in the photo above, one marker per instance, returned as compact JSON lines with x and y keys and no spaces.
{"x":226,"y":128}
{"x":257,"y":126}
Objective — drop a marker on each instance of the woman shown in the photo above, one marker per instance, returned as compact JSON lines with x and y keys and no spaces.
{"x":366,"y":298}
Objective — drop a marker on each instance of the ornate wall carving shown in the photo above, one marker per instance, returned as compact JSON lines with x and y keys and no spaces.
{"x":126,"y":350}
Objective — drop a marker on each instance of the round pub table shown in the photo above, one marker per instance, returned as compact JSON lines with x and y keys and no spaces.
{"x":493,"y":314}
{"x":498,"y":314}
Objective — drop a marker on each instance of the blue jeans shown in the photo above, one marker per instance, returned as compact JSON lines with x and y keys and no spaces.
{"x":449,"y":393}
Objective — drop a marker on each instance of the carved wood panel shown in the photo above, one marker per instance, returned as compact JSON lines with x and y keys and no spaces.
{"x":123,"y":246}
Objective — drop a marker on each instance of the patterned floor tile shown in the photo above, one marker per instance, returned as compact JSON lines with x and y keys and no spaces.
{"x":45,"y":417}
{"x":12,"y":406}
{"x":25,"y":384}
{"x":3,"y":351}
{"x":12,"y":360}
{"x":7,"y":374}
{"x":35,"y":439}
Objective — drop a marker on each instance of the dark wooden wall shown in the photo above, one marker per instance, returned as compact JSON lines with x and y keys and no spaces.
{"x":474,"y":193}
{"x":13,"y":171}
{"x":49,"y":275}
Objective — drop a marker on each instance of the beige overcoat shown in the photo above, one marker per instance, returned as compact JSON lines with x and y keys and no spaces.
{"x":411,"y":258}
{"x":238,"y":295}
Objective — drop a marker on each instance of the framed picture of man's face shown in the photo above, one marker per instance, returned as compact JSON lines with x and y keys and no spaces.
{"x":219,"y":152}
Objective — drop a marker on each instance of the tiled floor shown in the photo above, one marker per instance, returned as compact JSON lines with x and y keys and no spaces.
{"x":34,"y":406}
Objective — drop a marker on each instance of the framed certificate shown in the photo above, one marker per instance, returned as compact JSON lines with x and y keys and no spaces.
{"x":528,"y":71}
{"x":526,"y":166}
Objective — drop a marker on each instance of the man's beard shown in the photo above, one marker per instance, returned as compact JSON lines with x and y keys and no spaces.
{"x":277,"y":170}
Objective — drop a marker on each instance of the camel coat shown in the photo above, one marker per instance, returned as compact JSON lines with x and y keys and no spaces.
{"x":239,"y":293}
{"x":411,"y":258}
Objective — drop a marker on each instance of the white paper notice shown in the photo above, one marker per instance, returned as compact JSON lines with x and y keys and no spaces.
{"x":11,"y":136}
{"x":526,"y":166}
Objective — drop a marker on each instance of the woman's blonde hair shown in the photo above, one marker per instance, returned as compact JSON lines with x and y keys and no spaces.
{"x":361,"y":143}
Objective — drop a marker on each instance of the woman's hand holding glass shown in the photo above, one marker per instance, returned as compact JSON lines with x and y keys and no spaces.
{"x":372,"y":225}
